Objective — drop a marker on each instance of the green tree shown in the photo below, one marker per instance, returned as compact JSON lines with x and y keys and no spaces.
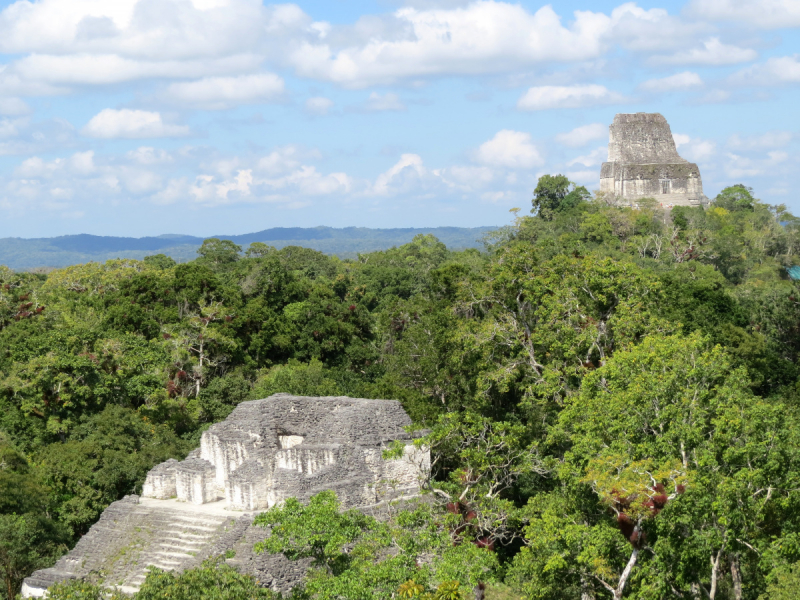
{"x":213,"y":580}
{"x":555,"y":193}
{"x":358,"y":557}
{"x":737,"y":197}
{"x":217,"y":252}
{"x":27,"y":543}
{"x":159,"y":261}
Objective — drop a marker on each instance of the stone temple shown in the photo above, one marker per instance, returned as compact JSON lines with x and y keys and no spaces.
{"x":264,"y":452}
{"x":643,"y":162}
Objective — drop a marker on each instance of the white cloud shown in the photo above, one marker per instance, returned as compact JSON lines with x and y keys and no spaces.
{"x":769,"y":14}
{"x":595,"y":157}
{"x":679,"y":81}
{"x":80,"y":164}
{"x":482,"y":37}
{"x":467,"y":177}
{"x":654,"y":30}
{"x":580,"y":136}
{"x":574,"y":96}
{"x":309,"y":182}
{"x":775,"y":71}
{"x":126,"y":123}
{"x":741,"y":166}
{"x":147,"y":155}
{"x":103,"y":69}
{"x":285,"y":159}
{"x":166,"y":29}
{"x":388,"y":101}
{"x":9,"y":128}
{"x":769,"y":140}
{"x":217,"y":93}
{"x":712,"y":52}
{"x":318,"y":105}
{"x":694,"y":149}
{"x":408,"y":169}
{"x":509,"y":149}
{"x":13,"y":107}
{"x":714,"y":97}
{"x":83,"y":162}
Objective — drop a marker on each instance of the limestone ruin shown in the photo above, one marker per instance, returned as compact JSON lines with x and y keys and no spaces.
{"x":264,"y":452}
{"x":643,"y":162}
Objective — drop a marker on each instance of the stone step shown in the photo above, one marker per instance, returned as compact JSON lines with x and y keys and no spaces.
{"x":183,"y":545}
{"x":194,"y":527}
{"x":165,"y":564}
{"x":171,"y":553}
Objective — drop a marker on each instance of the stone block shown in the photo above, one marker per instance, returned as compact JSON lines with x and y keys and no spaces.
{"x":643,"y":162}
{"x":160,"y":481}
{"x":265,"y":452}
{"x":195,"y":481}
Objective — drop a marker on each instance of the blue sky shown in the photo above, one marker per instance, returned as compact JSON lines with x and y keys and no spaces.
{"x":144,"y":117}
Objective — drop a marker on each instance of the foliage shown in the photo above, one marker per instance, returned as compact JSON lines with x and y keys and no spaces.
{"x":611,"y":396}
{"x":213,"y":580}
{"x":355,"y":556}
{"x":75,"y":589}
{"x":556,"y":193}
{"x":27,"y":542}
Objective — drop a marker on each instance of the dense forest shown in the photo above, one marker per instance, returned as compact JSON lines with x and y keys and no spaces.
{"x":611,"y":396}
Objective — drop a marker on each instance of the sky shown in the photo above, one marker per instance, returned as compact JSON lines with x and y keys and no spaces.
{"x":211,"y":117}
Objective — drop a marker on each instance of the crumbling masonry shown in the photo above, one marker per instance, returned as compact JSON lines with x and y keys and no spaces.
{"x":264,"y":452}
{"x":643,"y":162}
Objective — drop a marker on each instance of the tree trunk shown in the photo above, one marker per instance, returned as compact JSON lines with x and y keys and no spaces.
{"x":480,"y":591}
{"x":200,"y":374}
{"x":736,"y":575}
{"x":714,"y":575}
{"x":586,"y":590}
{"x":626,"y":574}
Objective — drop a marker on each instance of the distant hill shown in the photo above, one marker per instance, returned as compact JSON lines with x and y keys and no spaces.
{"x":23,"y":254}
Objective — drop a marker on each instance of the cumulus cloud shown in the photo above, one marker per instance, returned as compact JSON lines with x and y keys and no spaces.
{"x":77,"y":42}
{"x":546,"y":97}
{"x":769,"y":14}
{"x":389,"y":101}
{"x":132,"y":124}
{"x":738,"y":166}
{"x":580,"y":136}
{"x":481,"y":37}
{"x":217,"y":93}
{"x":775,"y":71}
{"x":13,"y":107}
{"x":679,"y":81}
{"x":595,"y":157}
{"x":712,"y":53}
{"x":319,"y":105}
{"x":694,"y":149}
{"x":653,"y":30}
{"x":511,"y":150}
{"x":279,"y":176}
{"x":714,"y":97}
{"x":79,"y":164}
{"x":771,"y":139}
{"x":9,"y":128}
{"x":103,"y":69}
{"x":402,"y":174}
{"x":147,"y":155}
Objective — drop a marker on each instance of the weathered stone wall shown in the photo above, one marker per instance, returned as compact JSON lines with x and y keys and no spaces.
{"x":643,"y":162}
{"x":265,"y":452}
{"x":136,"y":533}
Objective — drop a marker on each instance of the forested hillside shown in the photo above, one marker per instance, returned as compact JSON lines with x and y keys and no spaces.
{"x":612,"y":395}
{"x":45,"y":253}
